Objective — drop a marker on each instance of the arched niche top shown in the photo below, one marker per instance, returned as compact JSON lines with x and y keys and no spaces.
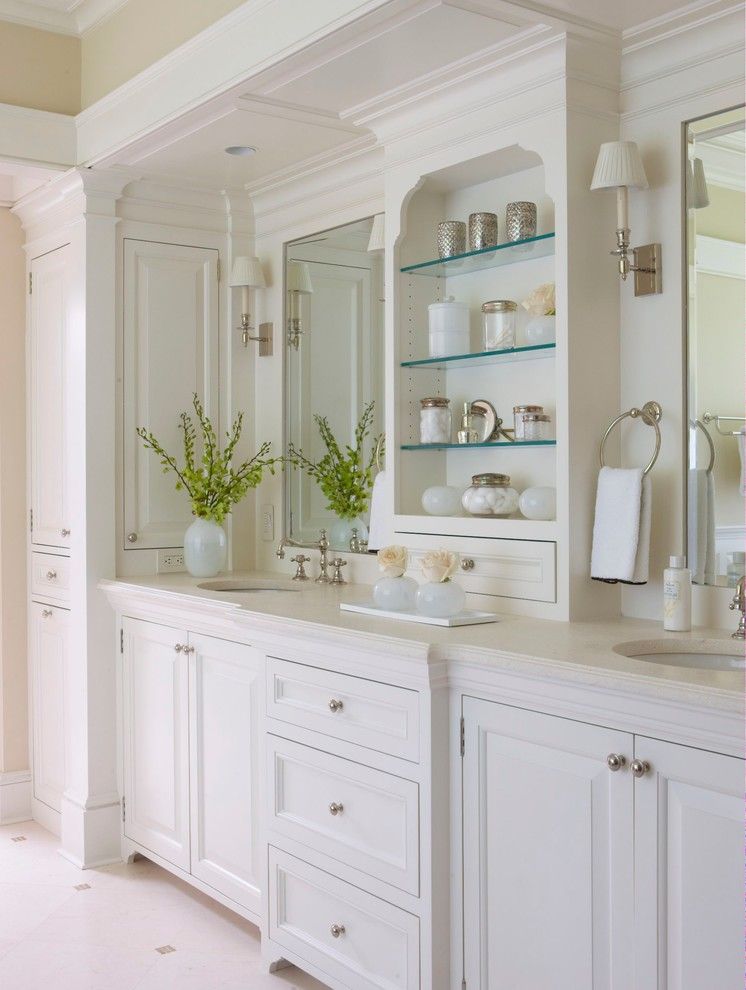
{"x":474,"y":171}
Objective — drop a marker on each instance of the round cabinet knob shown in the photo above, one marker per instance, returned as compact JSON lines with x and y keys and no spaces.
{"x":335,"y":705}
{"x":178,"y":647}
{"x":639,"y":767}
{"x":188,"y":649}
{"x":51,"y":575}
{"x":46,"y":613}
{"x":615,"y":761}
{"x":335,"y":808}
{"x":337,"y":930}
{"x":467,"y":564}
{"x":64,"y":532}
{"x":132,"y":537}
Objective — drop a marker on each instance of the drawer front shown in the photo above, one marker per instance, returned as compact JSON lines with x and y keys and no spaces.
{"x":376,"y":945}
{"x":523,"y":569}
{"x":353,"y":814}
{"x":378,"y":716}
{"x":50,"y":576}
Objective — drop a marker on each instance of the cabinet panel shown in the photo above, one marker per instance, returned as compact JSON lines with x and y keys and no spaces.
{"x":50,"y":576}
{"x":689,"y":867}
{"x":226,"y":684}
{"x":547,"y":852}
{"x":48,"y":413}
{"x":49,"y":629}
{"x":170,"y":352}
{"x":156,"y":739}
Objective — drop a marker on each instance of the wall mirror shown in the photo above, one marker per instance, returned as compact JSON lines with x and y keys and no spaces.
{"x":715,"y":262}
{"x":334,"y":361}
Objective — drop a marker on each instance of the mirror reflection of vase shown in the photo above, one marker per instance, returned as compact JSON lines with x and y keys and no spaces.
{"x":340,"y":533}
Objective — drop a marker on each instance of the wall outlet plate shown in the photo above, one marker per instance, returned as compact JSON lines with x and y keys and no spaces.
{"x":267,"y":522}
{"x":170,"y":561}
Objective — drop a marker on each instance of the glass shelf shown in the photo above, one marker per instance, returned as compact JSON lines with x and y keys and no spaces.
{"x":483,"y":357}
{"x":466,"y":446}
{"x":509,"y":253}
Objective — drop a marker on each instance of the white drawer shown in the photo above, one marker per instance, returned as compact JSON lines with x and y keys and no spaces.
{"x":506,"y":568}
{"x":377,"y":716}
{"x":353,"y":814}
{"x":50,"y":576}
{"x":378,"y":947}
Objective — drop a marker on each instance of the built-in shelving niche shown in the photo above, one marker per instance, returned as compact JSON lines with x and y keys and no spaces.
{"x":523,"y":374}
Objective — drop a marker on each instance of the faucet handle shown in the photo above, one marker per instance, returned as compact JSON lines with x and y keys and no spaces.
{"x":300,"y":560}
{"x":338,"y":563}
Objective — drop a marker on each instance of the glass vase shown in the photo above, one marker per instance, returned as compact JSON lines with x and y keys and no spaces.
{"x":340,"y":533}
{"x":440,"y":599}
{"x":205,"y":548}
{"x":395,"y":594}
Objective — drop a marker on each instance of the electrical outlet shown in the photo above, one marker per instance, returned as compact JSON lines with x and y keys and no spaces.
{"x":170,"y":560}
{"x":268,"y":523}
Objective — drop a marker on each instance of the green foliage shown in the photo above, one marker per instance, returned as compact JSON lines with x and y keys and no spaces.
{"x":213,"y":485}
{"x":345,"y":478}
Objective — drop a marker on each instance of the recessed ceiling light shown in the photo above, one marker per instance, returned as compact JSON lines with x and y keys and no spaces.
{"x":243,"y":150}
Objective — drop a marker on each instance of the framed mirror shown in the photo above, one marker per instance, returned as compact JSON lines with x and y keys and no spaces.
{"x":334,"y":362}
{"x":714,"y":165}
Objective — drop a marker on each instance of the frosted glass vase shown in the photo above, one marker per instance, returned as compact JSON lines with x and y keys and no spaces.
{"x":440,"y":599}
{"x":395,"y":594}
{"x":340,"y":533}
{"x":205,"y":548}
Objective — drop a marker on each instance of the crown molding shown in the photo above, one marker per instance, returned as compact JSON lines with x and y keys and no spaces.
{"x":37,"y":137}
{"x":694,"y":15}
{"x":77,"y":17}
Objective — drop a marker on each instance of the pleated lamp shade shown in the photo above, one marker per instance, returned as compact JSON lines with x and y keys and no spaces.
{"x":247,"y":272}
{"x":299,"y":278}
{"x":697,"y":193}
{"x":619,"y":164}
{"x":377,"y":240}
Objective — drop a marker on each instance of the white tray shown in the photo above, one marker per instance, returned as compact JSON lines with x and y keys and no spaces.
{"x":466,"y":618}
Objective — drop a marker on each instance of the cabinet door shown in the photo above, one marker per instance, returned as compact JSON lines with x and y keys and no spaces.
{"x":689,"y":865}
{"x":170,"y":352}
{"x":226,"y":682}
{"x":48,"y":418}
{"x":156,"y":739}
{"x":547,"y":852}
{"x":48,"y":648}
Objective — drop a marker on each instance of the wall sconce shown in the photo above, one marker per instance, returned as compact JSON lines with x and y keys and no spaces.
{"x":697,"y":193}
{"x":619,"y":166}
{"x":247,"y":274}
{"x":298,"y":284}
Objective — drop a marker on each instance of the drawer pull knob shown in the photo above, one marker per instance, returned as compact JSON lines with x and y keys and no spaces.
{"x":178,"y":647}
{"x":337,"y":930}
{"x":335,"y":808}
{"x":335,"y":705}
{"x":615,"y":761}
{"x":46,"y":613}
{"x":467,"y":564}
{"x":639,"y":767}
{"x":64,"y":532}
{"x":51,"y":575}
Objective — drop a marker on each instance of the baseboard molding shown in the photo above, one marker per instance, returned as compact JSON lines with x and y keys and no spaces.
{"x":90,"y":837}
{"x":47,"y":817}
{"x":15,"y":796}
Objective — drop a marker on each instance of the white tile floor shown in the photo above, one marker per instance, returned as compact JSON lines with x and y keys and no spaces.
{"x":107,"y":936}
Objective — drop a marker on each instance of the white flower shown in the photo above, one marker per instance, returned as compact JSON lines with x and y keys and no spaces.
{"x":541,"y":301}
{"x":392,"y":560}
{"x":439,"y":565}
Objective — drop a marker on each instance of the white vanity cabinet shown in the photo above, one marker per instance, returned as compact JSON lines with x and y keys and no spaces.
{"x":579,"y":873}
{"x":49,"y":647}
{"x":190,"y":719}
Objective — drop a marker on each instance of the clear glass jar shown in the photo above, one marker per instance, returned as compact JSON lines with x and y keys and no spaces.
{"x":536,"y":426}
{"x":518,"y":413}
{"x":435,"y":420}
{"x":498,"y":323}
{"x":490,"y":495}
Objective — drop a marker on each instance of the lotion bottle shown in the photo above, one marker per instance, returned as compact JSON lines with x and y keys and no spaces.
{"x":677,"y":596}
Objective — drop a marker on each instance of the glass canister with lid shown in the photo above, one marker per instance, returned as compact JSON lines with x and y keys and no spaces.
{"x":490,"y":495}
{"x":498,"y":324}
{"x":518,"y":413}
{"x":536,"y":426}
{"x":435,"y":419}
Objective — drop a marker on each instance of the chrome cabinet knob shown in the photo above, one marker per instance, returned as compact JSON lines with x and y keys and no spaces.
{"x":46,"y":613}
{"x":51,"y":575}
{"x":335,"y":808}
{"x":188,"y":649}
{"x":639,"y":767}
{"x":335,"y":705}
{"x":132,"y":537}
{"x":64,"y":532}
{"x":615,"y":761}
{"x":178,"y":647}
{"x":467,"y":564}
{"x":337,"y":930}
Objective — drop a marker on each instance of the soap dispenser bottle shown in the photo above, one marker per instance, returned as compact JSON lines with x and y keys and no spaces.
{"x":467,"y":433}
{"x":677,"y":596}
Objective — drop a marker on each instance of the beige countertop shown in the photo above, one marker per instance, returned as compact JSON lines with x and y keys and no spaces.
{"x":574,"y":650}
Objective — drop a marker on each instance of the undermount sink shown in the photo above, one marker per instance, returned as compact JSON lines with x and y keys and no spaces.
{"x":704,"y":654}
{"x":247,"y":585}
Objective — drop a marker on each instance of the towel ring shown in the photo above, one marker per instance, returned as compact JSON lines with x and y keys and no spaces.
{"x":698,"y":423}
{"x":650,"y":414}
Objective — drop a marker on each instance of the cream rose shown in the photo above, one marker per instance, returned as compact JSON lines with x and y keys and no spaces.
{"x":439,"y":565}
{"x":541,"y":301}
{"x":392,"y":561}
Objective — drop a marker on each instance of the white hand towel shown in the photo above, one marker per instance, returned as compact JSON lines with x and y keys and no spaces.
{"x":697,"y":514}
{"x":621,"y":530}
{"x":711,"y":559}
{"x":381,"y":514}
{"x":741,"y":438}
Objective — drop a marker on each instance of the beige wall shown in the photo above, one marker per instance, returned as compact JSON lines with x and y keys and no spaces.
{"x":39,"y":69}
{"x":13,"y":667}
{"x":138,"y":34}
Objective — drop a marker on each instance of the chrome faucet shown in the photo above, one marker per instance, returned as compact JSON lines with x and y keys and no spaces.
{"x":739,"y":602}
{"x":322,"y":545}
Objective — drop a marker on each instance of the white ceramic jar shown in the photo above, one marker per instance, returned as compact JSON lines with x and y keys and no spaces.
{"x":490,"y":495}
{"x":435,"y":420}
{"x":498,"y":324}
{"x":442,"y":500}
{"x":540,"y":330}
{"x":448,"y":326}
{"x":539,"y":502}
